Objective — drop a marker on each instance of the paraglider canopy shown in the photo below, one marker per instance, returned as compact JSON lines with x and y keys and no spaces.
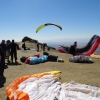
{"x":47,"y":24}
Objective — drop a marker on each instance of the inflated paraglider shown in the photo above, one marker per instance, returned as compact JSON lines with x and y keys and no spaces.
{"x":47,"y":24}
{"x":87,"y":50}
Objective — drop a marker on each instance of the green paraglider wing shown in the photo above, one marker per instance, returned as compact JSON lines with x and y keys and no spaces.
{"x":47,"y":24}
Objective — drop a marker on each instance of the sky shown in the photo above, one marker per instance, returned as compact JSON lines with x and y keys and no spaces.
{"x":79,"y":19}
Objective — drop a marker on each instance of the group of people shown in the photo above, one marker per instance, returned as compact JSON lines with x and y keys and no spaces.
{"x":42,"y":47}
{"x":7,"y":49}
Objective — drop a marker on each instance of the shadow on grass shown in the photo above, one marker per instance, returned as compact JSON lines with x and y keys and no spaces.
{"x":14,"y":63}
{"x":6,"y":66}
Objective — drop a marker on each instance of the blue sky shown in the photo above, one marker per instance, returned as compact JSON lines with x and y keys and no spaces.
{"x":78,"y":18}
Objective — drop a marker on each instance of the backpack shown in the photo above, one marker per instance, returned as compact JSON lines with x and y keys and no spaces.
{"x":52,"y":58}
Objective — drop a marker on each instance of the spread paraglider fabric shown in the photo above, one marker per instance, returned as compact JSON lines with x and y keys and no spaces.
{"x":46,"y":86}
{"x":87,"y":50}
{"x":80,"y":59}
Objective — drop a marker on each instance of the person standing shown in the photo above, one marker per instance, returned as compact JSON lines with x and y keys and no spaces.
{"x":2,"y":62}
{"x":13,"y":47}
{"x":37,"y":47}
{"x":3,"y":46}
{"x":8,"y":50}
{"x":24,"y":46}
{"x":48,"y":48}
{"x":72,"y":49}
{"x":44,"y":44}
{"x":41,"y":46}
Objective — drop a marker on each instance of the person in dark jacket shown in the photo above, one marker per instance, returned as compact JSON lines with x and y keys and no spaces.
{"x":37,"y":47}
{"x":3,"y":46}
{"x":8,"y":54}
{"x":13,"y":48}
{"x":44,"y":45}
{"x":2,"y":62}
{"x":24,"y":46}
{"x":72,"y":49}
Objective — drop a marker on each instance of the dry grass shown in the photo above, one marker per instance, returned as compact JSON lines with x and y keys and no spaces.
{"x":79,"y":72}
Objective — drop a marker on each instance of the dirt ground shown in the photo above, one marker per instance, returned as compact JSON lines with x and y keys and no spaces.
{"x":79,"y":72}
